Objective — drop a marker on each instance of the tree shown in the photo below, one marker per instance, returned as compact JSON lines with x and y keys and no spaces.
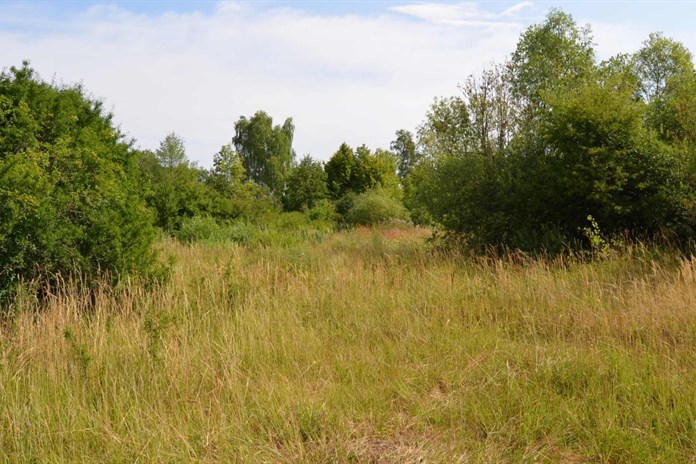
{"x":228,"y":170}
{"x":176,"y":187}
{"x":491,"y":109}
{"x":171,"y":152}
{"x":666,"y":82}
{"x":446,"y":130}
{"x":70,"y":197}
{"x":341,"y":171}
{"x":526,"y":155}
{"x":404,"y":148}
{"x":606,"y":163}
{"x":306,"y":185}
{"x":657,"y":62}
{"x":550,"y":56}
{"x":355,"y":172}
{"x":266,"y":150}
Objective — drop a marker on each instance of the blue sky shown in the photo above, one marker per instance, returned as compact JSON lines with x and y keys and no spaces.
{"x":353,"y":71}
{"x":661,"y":15}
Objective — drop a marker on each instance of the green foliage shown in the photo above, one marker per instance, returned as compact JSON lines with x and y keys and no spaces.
{"x":600,"y":246}
{"x":556,"y":137}
{"x":446,"y":130}
{"x":375,"y":207}
{"x":491,"y":109}
{"x":341,"y":172}
{"x":250,"y":202}
{"x":657,"y":62}
{"x":419,"y":188}
{"x":266,"y":150}
{"x":550,"y":56}
{"x":377,"y":169}
{"x":176,"y":191}
{"x":404,"y":148}
{"x":171,"y":152}
{"x":228,"y":171}
{"x":199,"y":228}
{"x":70,"y":196}
{"x":350,"y":173}
{"x":323,"y":211}
{"x":619,"y":172}
{"x":306,"y":185}
{"x":667,"y":83}
{"x":230,"y":196}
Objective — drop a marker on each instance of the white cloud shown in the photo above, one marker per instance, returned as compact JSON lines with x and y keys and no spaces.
{"x":462,"y":14}
{"x":342,"y":78}
{"x":353,"y":78}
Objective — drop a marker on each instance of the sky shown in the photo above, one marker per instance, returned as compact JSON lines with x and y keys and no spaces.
{"x":345,"y":71}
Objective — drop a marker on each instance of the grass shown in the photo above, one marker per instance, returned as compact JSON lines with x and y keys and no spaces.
{"x":360,"y":347}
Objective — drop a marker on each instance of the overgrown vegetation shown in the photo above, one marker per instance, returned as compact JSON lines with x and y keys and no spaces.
{"x":363,"y":347}
{"x":544,"y":312}
{"x":535,"y":145}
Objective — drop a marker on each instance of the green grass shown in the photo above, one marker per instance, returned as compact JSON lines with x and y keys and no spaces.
{"x":360,"y":347}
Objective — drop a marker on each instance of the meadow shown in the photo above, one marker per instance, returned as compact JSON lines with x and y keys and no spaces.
{"x":364,"y":346}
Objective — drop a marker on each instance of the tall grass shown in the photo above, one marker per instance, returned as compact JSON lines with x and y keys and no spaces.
{"x":361,"y":347}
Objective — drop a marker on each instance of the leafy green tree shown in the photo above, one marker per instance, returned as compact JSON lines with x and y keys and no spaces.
{"x":176,"y":188}
{"x":491,"y":109}
{"x":404,"y":148}
{"x":228,"y":171}
{"x":446,"y":130}
{"x":306,"y":185}
{"x":606,"y":163}
{"x":341,"y":172}
{"x":549,"y":57}
{"x":266,"y":150}
{"x":667,"y":80}
{"x":376,"y":169}
{"x":70,"y":195}
{"x":557,"y":138}
{"x":657,"y":62}
{"x":172,"y":151}
{"x":356,"y":171}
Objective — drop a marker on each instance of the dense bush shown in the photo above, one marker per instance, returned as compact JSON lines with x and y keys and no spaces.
{"x":70,"y":197}
{"x":535,"y":146}
{"x":375,"y":207}
{"x":305,"y":186}
{"x":199,"y":228}
{"x":323,"y":211}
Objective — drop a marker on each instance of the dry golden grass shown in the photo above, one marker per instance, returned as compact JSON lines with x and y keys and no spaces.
{"x":362,"y":347}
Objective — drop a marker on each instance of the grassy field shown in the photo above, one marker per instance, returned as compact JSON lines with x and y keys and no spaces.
{"x":363,"y":346}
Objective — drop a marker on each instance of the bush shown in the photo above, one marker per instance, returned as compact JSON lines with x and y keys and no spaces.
{"x":70,"y":193}
{"x":323,"y":211}
{"x":375,"y":207}
{"x":199,"y":228}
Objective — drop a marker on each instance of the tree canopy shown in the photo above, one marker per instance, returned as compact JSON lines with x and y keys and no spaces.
{"x":266,"y":150}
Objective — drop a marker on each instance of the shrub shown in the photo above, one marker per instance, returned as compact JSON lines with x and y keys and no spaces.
{"x":70,"y":193}
{"x":198,"y":228}
{"x":323,"y":211}
{"x":375,"y":207}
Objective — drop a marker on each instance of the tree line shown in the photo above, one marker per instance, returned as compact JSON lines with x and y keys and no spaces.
{"x":541,"y":152}
{"x":537,"y":149}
